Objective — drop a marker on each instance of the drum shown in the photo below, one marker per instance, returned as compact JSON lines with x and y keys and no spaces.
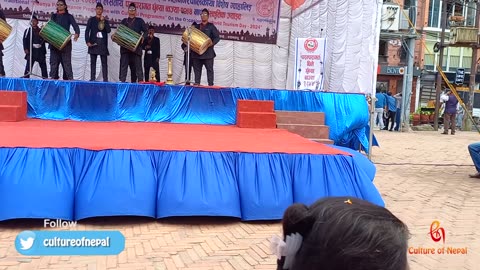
{"x":55,"y":34}
{"x":5,"y":30}
{"x":127,"y":38}
{"x":199,"y":42}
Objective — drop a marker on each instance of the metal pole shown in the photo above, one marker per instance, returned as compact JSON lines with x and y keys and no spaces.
{"x":373,"y":99}
{"x":473,"y":73}
{"x":440,"y":65}
{"x":403,"y":125}
{"x":409,"y":89}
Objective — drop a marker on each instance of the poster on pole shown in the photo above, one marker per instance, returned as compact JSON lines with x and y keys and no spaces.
{"x":309,"y":63}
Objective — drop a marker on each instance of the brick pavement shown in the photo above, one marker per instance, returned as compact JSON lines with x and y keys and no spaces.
{"x":422,"y":175}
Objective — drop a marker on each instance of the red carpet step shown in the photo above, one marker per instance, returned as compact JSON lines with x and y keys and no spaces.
{"x":13,"y":106}
{"x":256,"y":114}
{"x":310,"y":125}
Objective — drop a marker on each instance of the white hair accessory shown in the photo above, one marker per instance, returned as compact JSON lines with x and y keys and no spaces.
{"x":287,"y":248}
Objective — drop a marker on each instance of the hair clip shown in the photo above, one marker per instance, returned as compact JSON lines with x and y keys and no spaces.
{"x":287,"y":248}
{"x":348,"y":201}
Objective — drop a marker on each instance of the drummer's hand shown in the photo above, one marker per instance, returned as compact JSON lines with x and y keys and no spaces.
{"x":102,"y":18}
{"x":158,"y":60}
{"x":75,"y":37}
{"x":26,"y":51}
{"x":89,"y":44}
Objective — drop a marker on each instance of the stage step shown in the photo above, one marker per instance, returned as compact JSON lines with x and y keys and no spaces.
{"x":306,"y":118}
{"x":13,"y":106}
{"x":310,"y":125}
{"x":325,"y":141}
{"x":307,"y":131}
{"x":244,"y":105}
{"x":9,"y":113}
{"x":256,"y":114}
{"x":256,"y":120}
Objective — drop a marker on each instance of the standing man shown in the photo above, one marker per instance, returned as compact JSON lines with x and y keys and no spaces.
{"x":127,"y":57}
{"x":205,"y":59}
{"x":392,"y":109}
{"x":2,"y":68}
{"x":380,"y":105}
{"x":151,"y":45}
{"x":39,"y":51}
{"x":450,"y":114}
{"x":64,"y":56}
{"x":97,"y":42}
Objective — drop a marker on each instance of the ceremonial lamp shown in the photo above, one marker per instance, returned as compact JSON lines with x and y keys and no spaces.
{"x":170,"y":69}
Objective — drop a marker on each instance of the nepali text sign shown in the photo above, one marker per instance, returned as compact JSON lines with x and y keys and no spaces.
{"x":309,"y":63}
{"x":243,"y":20}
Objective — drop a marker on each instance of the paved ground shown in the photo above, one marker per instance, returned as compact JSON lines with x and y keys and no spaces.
{"x":423,"y":176}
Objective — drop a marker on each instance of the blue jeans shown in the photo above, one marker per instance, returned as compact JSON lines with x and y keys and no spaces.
{"x":397,"y":119}
{"x":474,"y":150}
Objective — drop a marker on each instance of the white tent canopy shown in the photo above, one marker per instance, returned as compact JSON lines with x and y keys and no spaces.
{"x":350,"y":26}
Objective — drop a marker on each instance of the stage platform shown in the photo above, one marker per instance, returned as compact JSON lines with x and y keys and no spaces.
{"x":345,"y":114}
{"x":74,"y":170}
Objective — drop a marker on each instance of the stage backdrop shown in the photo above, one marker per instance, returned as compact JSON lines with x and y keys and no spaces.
{"x":350,"y":26}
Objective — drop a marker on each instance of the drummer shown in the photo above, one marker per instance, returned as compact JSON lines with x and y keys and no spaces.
{"x":39,"y":51}
{"x":127,"y":57}
{"x":64,"y":56}
{"x":207,"y":58}
{"x":97,"y":42}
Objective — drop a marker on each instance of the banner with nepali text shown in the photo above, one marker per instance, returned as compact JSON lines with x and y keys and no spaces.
{"x":309,"y":63}
{"x":245,"y":20}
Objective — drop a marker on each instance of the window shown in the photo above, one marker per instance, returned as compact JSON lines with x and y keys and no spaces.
{"x":454,"y":8}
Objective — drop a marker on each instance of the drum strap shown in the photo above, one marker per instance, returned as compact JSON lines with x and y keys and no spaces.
{"x":131,"y":22}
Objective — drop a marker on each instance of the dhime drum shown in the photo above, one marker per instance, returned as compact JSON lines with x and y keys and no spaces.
{"x":5,"y":30}
{"x":55,"y":35}
{"x":127,"y":38}
{"x":199,"y":42}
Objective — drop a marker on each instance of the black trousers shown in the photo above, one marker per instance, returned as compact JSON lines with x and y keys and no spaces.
{"x":390,"y":119}
{"x":151,"y":63}
{"x":2,"y":68}
{"x":197,"y":68}
{"x":41,"y":63}
{"x":63,"y":57}
{"x":134,"y":61}
{"x":93,"y":67}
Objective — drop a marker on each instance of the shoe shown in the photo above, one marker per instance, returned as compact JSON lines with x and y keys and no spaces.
{"x":445,"y":133}
{"x":453,"y":133}
{"x":477,"y":175}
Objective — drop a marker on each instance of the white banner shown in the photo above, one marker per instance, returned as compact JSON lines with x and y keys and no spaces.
{"x":309,"y":63}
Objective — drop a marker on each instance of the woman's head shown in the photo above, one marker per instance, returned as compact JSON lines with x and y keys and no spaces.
{"x":346,"y":234}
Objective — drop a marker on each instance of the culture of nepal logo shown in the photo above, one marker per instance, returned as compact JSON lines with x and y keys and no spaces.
{"x":310,"y":45}
{"x":437,"y":234}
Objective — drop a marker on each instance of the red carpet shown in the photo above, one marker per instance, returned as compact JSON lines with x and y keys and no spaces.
{"x":155,"y":136}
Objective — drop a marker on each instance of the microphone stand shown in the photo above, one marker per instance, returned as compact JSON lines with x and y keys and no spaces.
{"x":188,"y":55}
{"x":30,"y":52}
{"x":187,"y":82}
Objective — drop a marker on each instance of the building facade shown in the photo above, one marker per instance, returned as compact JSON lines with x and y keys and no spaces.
{"x":427,"y":16}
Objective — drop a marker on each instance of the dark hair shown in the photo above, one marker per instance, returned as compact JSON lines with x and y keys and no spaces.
{"x":99,"y":5}
{"x":151,"y":27}
{"x":346,"y":235}
{"x":206,"y":11}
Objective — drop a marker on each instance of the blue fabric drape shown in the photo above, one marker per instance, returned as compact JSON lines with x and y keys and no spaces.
{"x":345,"y":114}
{"x":74,"y":184}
